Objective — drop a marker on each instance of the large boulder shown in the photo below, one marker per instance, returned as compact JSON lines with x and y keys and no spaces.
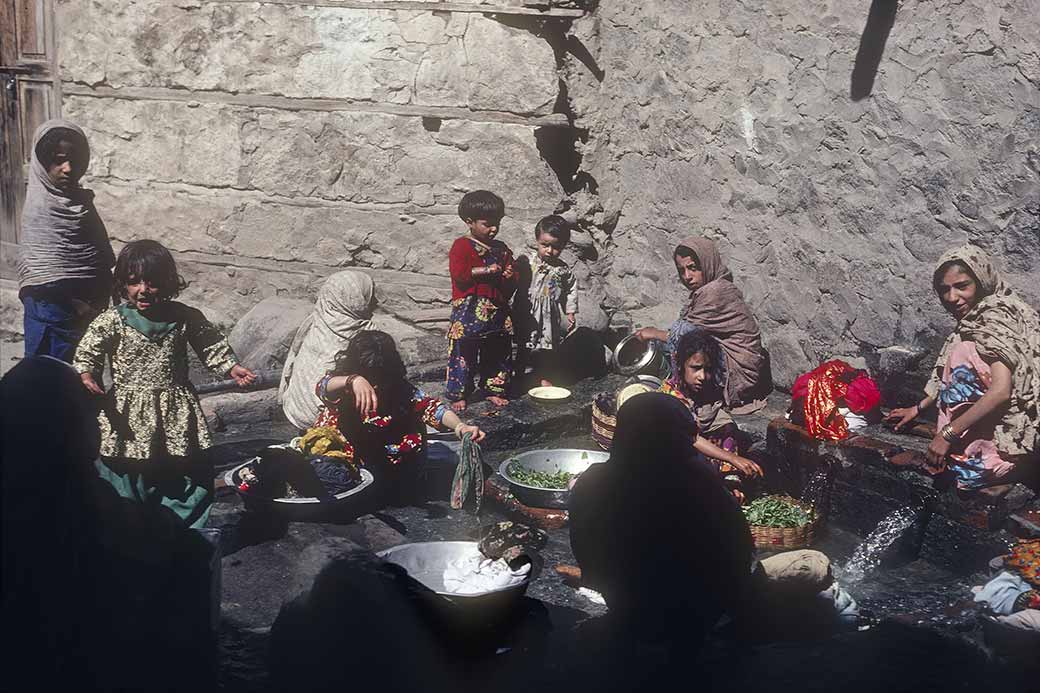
{"x":262,"y":338}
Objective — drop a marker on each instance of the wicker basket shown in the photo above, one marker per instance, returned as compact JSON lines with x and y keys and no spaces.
{"x":603,"y":423}
{"x":786,"y":538}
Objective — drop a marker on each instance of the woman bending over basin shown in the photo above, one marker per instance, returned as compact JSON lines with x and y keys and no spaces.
{"x":717,"y":306}
{"x":986,"y":382}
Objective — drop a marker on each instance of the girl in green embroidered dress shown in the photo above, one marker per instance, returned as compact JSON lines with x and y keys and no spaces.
{"x":152,"y":425}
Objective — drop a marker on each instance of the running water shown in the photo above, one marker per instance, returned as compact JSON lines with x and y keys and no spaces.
{"x":867,"y":555}
{"x":813,"y":494}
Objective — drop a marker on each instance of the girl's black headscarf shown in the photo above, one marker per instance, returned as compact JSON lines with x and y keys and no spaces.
{"x":654,"y":528}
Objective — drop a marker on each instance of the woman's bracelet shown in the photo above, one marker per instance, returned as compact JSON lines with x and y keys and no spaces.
{"x":947,"y":434}
{"x":458,"y":426}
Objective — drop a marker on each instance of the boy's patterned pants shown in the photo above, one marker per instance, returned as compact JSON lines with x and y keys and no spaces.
{"x":491,"y":357}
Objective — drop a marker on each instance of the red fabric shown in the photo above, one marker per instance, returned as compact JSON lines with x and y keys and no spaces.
{"x":829,"y":386}
{"x":464,"y":256}
{"x":863,"y":394}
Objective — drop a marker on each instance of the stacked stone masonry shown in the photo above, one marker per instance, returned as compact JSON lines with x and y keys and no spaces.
{"x":737,"y":120}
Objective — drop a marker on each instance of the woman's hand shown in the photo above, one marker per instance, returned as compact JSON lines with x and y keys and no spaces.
{"x":645,"y":334}
{"x":572,"y":321}
{"x":746,"y":467}
{"x":902,"y":417}
{"x":242,"y":376}
{"x":365,"y":398}
{"x":91,"y":384}
{"x":937,"y":451}
{"x":463,"y":429}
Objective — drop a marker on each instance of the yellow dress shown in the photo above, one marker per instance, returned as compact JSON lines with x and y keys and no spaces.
{"x":152,"y":410}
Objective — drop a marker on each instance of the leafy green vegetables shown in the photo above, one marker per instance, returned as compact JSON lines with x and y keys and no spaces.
{"x":776,"y":511}
{"x":530,"y":477}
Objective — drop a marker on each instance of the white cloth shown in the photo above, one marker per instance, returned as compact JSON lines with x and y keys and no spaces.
{"x":553,"y":294}
{"x":477,"y":574}
{"x":852,"y":420}
{"x":344,"y":308}
{"x":1001,"y":592}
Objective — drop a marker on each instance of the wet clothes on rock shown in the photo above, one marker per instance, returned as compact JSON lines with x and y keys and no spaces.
{"x":343,"y":308}
{"x":656,"y":531}
{"x":481,"y":328}
{"x":64,"y":275}
{"x":1003,"y":328}
{"x":153,"y":429}
{"x":718,"y":306}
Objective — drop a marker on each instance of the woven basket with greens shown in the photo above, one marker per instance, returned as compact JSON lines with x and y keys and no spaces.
{"x":781,"y":522}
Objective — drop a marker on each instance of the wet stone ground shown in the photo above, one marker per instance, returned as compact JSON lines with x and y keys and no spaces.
{"x":917,"y":616}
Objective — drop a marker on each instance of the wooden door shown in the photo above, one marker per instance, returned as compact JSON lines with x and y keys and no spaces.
{"x":29,"y":95}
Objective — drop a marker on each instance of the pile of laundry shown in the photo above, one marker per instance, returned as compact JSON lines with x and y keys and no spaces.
{"x":1013,"y":599}
{"x":833,"y":400}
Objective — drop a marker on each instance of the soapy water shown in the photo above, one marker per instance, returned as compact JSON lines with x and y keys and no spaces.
{"x":867,"y":556}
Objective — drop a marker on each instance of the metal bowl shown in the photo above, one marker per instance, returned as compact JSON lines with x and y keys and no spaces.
{"x":549,"y":394}
{"x":631,"y":355}
{"x":551,"y":461}
{"x":297,"y":508}
{"x":425,"y":562}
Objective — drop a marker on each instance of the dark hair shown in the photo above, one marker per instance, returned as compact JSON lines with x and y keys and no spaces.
{"x":699,"y":341}
{"x":481,"y":204}
{"x":373,"y":355}
{"x":686,"y":251}
{"x":957,"y":264}
{"x":150,"y":260}
{"x":555,"y":226}
{"x":47,"y":147}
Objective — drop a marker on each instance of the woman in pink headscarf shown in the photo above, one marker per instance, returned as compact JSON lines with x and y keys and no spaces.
{"x":717,"y":306}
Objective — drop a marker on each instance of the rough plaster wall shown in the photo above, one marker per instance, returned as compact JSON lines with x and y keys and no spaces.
{"x":262,"y":201}
{"x":734,"y":119}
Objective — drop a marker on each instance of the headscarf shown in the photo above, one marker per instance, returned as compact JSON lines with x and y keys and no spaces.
{"x":654,"y":528}
{"x":718,"y":306}
{"x":1005,"y":328}
{"x":343,"y":308}
{"x":62,"y":235}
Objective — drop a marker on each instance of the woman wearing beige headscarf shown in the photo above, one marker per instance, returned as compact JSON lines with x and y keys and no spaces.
{"x":344,"y":308}
{"x":718,"y":306}
{"x":986,"y":381}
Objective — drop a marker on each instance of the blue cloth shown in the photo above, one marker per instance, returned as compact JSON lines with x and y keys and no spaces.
{"x":51,"y":323}
{"x":1001,"y":592}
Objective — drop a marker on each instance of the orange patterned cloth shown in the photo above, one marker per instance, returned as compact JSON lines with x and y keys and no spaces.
{"x":832,"y":385}
{"x":1024,"y":559}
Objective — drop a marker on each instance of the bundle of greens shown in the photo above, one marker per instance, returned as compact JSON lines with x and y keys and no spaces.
{"x":530,"y":477}
{"x":776,"y":511}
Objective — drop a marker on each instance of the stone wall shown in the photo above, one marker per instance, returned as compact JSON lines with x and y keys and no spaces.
{"x":833,"y":160}
{"x":737,"y":120}
{"x":272,"y":144}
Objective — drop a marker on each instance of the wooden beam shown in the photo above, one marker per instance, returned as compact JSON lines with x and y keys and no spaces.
{"x":424,"y":6}
{"x":285,"y":103}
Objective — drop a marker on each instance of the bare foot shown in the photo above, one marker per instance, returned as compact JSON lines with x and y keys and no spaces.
{"x":546,"y":383}
{"x":498,"y":401}
{"x":458,"y":407}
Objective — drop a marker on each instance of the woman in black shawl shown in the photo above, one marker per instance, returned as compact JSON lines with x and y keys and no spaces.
{"x":655,"y":530}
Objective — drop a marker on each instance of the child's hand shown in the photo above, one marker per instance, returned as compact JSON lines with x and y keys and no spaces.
{"x":463,"y":429}
{"x":242,"y":376}
{"x":508,"y":272}
{"x":746,"y":467}
{"x":365,"y":398}
{"x":91,"y":384}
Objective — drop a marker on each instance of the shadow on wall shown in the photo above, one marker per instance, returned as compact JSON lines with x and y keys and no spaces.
{"x":872,"y":46}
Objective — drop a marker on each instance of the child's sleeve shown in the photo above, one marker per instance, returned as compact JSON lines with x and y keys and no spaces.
{"x":209,"y":343}
{"x":571,"y":304}
{"x":461,"y":264}
{"x":98,"y":342}
{"x":430,"y":409}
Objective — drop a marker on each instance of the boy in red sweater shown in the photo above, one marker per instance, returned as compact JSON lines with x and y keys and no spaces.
{"x":482,"y":282}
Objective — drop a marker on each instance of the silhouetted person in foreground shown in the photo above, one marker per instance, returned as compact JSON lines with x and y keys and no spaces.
{"x":656,"y":532}
{"x":97,"y":592}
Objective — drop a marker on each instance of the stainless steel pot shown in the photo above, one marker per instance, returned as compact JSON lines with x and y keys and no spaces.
{"x":549,"y":461}
{"x":632,"y":356}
